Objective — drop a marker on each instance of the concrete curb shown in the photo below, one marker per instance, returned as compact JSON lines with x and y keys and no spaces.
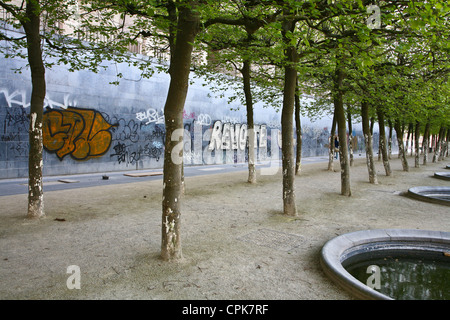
{"x":429,"y":194}
{"x":339,"y":249}
{"x":442,"y":175}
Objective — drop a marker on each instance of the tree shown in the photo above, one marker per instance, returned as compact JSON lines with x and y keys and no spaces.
{"x":31,"y":24}
{"x":287,"y":127}
{"x":28,"y":15}
{"x":59,"y":47}
{"x":179,"y":22}
{"x":400,"y":30}
{"x":187,"y":29}
{"x":238,"y":47}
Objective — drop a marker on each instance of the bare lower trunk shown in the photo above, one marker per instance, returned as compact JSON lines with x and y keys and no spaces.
{"x":416,"y":145}
{"x":342,"y":133}
{"x":331,"y":144}
{"x":250,"y":124}
{"x":409,"y":139}
{"x":173,"y":154}
{"x":437,"y":149}
{"x":447,"y":142}
{"x":426,"y":143}
{"x":383,"y":146}
{"x":369,"y":159}
{"x":390,"y":140}
{"x":368,"y":142}
{"x":372,"y":125}
{"x":401,"y":145}
{"x":433,"y":143}
{"x":380,"y":157}
{"x":35,"y":159}
{"x":350,"y":137}
{"x":183,"y":185}
{"x":442,"y":146}
{"x":251,"y":156}
{"x":298,"y":130}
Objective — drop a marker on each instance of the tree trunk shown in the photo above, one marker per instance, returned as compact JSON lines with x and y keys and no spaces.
{"x":287,"y":125}
{"x":179,"y":70}
{"x":401,"y":145}
{"x":368,"y":142}
{"x":409,"y":140}
{"x":298,"y":130}
{"x":426,"y":143}
{"x":342,"y":133}
{"x":405,"y":148}
{"x":331,"y":146}
{"x":250,"y":123}
{"x":35,"y":158}
{"x":442,"y":140}
{"x":183,"y":185}
{"x":383,"y":147}
{"x":416,"y":145}
{"x":433,"y":142}
{"x":350,"y":138}
{"x":372,"y":125}
{"x":447,"y":142}
{"x":437,"y":147}
{"x":390,"y":139}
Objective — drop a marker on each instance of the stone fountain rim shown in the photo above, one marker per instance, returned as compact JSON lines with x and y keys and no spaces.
{"x":340,"y":248}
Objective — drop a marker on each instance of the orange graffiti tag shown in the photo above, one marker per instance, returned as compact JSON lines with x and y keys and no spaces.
{"x":82,"y":133}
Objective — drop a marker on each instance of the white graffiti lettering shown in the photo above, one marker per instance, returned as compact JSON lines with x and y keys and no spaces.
{"x":53,"y":104}
{"x":216,"y":137}
{"x":17,"y":98}
{"x":204,"y":119}
{"x":227,"y":136}
{"x":151,"y":116}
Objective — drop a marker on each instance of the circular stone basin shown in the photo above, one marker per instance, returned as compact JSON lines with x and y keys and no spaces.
{"x":419,"y":255}
{"x":442,"y":175}
{"x":439,"y":195}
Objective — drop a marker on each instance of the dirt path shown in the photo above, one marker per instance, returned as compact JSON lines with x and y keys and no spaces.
{"x":236,"y":243}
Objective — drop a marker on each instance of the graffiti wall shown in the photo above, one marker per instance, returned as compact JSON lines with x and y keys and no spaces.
{"x":81,"y":133}
{"x":93,"y":126}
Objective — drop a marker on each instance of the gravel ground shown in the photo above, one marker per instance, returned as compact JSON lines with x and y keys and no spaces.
{"x":236,"y":242}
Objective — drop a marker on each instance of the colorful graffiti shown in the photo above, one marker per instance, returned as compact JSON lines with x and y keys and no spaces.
{"x":80,"y":133}
{"x":132,"y":137}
